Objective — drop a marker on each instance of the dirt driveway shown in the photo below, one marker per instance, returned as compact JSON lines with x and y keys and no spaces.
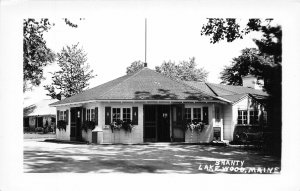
{"x":46,"y":157}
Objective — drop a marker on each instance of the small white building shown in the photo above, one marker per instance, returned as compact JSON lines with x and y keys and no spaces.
{"x":39,"y":115}
{"x":159,"y":108}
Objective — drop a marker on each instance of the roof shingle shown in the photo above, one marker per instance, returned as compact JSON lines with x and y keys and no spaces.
{"x":145,"y":84}
{"x":228,"y":92}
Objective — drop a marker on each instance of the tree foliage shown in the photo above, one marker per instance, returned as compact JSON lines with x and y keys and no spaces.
{"x":36,"y":54}
{"x":264,"y":63}
{"x":185,"y":70}
{"x":134,"y":67}
{"x":229,"y":29}
{"x":73,"y":75}
{"x":249,"y":62}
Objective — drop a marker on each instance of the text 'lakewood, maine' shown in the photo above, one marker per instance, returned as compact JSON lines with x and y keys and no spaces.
{"x":235,"y":166}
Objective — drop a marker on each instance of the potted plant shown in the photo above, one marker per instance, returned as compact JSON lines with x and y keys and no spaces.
{"x":88,"y":125}
{"x":61,"y":124}
{"x":120,"y":124}
{"x":116,"y":125}
{"x":127,"y":125}
{"x":196,"y":125}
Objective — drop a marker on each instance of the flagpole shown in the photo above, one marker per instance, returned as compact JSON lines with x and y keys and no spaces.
{"x":145,"y":40}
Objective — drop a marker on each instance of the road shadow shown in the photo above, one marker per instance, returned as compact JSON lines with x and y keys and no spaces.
{"x":137,"y":158}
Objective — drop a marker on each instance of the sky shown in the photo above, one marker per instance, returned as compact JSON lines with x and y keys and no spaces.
{"x":112,"y":43}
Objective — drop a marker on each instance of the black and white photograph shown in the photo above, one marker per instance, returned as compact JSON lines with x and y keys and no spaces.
{"x":139,"y":89}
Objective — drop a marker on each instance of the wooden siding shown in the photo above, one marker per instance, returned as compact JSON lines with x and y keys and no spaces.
{"x":227,"y":114}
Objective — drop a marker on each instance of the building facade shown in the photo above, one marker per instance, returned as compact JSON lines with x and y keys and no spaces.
{"x":149,"y":107}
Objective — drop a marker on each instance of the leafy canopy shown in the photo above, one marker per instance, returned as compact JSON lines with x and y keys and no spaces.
{"x":229,"y":29}
{"x":36,"y":54}
{"x":264,"y":63}
{"x":134,"y":67}
{"x":249,"y":62}
{"x":185,"y":70}
{"x":73,"y":75}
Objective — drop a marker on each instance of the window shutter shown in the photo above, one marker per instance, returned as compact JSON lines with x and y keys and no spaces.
{"x":96,"y":116}
{"x":57,"y":115}
{"x":107,"y":115}
{"x":205,"y":115}
{"x":84,"y":114}
{"x":135,"y":115}
{"x":67,"y":116}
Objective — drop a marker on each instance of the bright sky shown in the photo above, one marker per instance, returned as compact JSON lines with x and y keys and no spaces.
{"x":113,"y":43}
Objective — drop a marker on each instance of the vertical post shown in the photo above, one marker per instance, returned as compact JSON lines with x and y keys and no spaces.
{"x":145,"y":40}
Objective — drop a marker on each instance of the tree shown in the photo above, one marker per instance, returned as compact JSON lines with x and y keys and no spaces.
{"x":220,"y":29}
{"x":36,"y":54}
{"x":73,"y":75}
{"x":134,"y":67}
{"x":267,"y":63}
{"x":249,"y":62}
{"x":185,"y":70}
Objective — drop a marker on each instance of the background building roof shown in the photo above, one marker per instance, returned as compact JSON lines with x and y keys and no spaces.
{"x":40,"y":108}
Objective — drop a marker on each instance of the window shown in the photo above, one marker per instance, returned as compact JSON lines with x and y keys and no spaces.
{"x":253,"y":117}
{"x":242,"y":117}
{"x":188,"y":115}
{"x":90,"y":114}
{"x":116,"y":114}
{"x":126,"y":114}
{"x":197,"y":114}
{"x":62,"y":115}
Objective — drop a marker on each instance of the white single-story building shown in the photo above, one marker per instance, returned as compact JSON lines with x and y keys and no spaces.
{"x":39,"y":115}
{"x":159,"y":108}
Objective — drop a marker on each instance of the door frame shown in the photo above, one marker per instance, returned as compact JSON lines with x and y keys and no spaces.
{"x":171,"y":125}
{"x":178,"y":124}
{"x":77,"y":134}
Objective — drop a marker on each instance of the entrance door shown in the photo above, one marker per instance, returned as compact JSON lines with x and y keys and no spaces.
{"x":163,"y":123}
{"x":157,"y":123}
{"x":75,"y":133}
{"x":177,"y":112}
{"x":150,"y":113}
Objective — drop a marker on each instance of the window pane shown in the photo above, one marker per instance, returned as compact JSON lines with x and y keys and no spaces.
{"x":188,"y":114}
{"x":116,"y":114}
{"x":242,"y":117}
{"x":92,"y":114}
{"x":253,"y":117}
{"x":126,"y":114}
{"x":88,"y":114}
{"x":61,"y":113}
{"x":197,"y":114}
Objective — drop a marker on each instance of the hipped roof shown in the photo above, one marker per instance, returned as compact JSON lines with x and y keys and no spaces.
{"x":145,"y":84}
